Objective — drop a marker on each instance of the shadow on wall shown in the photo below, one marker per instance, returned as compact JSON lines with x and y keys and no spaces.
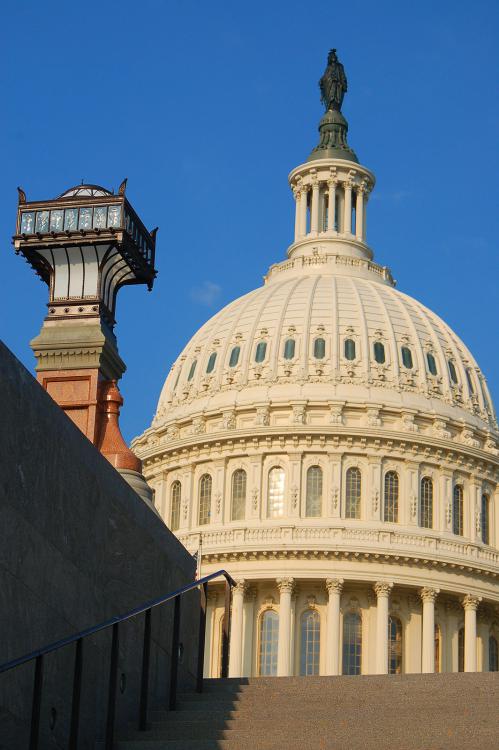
{"x":77,"y":546}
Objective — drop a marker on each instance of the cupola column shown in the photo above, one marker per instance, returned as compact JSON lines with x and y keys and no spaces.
{"x":334,"y":588}
{"x":303,"y":211}
{"x":331,"y":211}
{"x":359,"y":214}
{"x":286,"y":588}
{"x":428,"y":596}
{"x":470,"y":604}
{"x":382,"y":589}
{"x":347,"y":215}
{"x":314,"y":208}
{"x":297,"y":195}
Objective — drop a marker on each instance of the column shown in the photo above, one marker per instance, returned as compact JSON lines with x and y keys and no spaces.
{"x":248,"y":628}
{"x":331,"y":205}
{"x":347,"y":211}
{"x":236,"y":629}
{"x":297,"y":194}
{"x":428,"y":596}
{"x":211,"y":605}
{"x":382,"y":589}
{"x":303,"y":211}
{"x":334,"y":588}
{"x":285,"y":586}
{"x":359,"y":213}
{"x":314,"y":208}
{"x":470,"y":604}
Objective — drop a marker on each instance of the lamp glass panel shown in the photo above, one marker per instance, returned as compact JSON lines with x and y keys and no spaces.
{"x":100,"y":217}
{"x":42,"y":221}
{"x":27,"y":222}
{"x":70,"y":219}
{"x":56,"y":220}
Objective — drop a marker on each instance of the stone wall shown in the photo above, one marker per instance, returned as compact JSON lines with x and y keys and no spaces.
{"x":77,"y":546}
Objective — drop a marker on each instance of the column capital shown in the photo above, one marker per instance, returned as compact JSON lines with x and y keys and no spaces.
{"x":285,"y":585}
{"x":471,"y":602}
{"x":428,"y":594}
{"x":240,"y":587}
{"x":383,"y":588}
{"x":334,"y":585}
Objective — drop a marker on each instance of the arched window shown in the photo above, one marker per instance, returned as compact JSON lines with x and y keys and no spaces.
{"x":352,"y":643}
{"x":460,"y":650}
{"x":211,"y":362}
{"x":205,"y":484}
{"x":234,"y":356}
{"x":261,"y":350}
{"x":349,"y":349}
{"x":192,"y":370}
{"x":238,"y":500}
{"x":407,"y":357}
{"x":391,"y":497}
{"x":353,"y":489}
{"x":493,"y":654}
{"x":276,"y":492}
{"x":379,"y":352}
{"x":470,"y":381}
{"x":175,"y":496}
{"x":485,"y":520}
{"x":452,"y":371}
{"x":310,"y":642}
{"x":438,"y":649}
{"x":426,"y":504}
{"x":394,"y":645}
{"x":432,"y":365}
{"x":319,"y":348}
{"x":314,"y":492}
{"x":177,"y":378}
{"x":457,"y":510}
{"x":269,"y":632}
{"x":289,"y":349}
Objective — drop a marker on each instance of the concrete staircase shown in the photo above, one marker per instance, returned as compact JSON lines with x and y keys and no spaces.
{"x":407,"y":712}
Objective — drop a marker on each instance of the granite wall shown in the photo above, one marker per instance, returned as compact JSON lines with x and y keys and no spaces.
{"x":77,"y":546}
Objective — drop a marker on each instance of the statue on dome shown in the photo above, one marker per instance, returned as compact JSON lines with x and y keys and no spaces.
{"x":333,"y":83}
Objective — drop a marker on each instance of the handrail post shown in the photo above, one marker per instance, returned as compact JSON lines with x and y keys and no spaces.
{"x":174,"y":661}
{"x":36,"y":705}
{"x":144,"y":684}
{"x":202,"y":635}
{"x":226,"y":631}
{"x":113,"y":678}
{"x":75,"y":703}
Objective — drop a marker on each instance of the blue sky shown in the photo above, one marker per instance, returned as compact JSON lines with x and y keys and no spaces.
{"x":206,"y":107}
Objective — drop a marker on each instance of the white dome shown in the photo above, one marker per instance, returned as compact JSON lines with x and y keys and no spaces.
{"x":335,"y":302}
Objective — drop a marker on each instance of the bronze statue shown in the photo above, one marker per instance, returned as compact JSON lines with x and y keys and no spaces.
{"x":333,"y":83}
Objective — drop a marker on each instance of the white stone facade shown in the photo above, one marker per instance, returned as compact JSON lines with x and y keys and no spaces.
{"x":332,"y":443}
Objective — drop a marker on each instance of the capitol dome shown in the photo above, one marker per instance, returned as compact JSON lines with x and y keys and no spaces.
{"x":332,"y":443}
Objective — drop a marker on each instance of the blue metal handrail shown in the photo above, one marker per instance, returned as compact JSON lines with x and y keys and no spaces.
{"x":114,"y":622}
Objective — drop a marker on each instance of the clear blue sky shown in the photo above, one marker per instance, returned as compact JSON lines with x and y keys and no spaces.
{"x":206,"y":106}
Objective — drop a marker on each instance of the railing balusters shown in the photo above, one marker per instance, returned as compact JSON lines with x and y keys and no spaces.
{"x":202,"y":635}
{"x":75,"y":704}
{"x":226,"y":632}
{"x":113,"y":679}
{"x":174,"y":662}
{"x":36,"y":705}
{"x":144,"y":683}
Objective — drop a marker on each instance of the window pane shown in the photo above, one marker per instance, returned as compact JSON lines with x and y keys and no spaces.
{"x":493,"y":655}
{"x":314,"y":492}
{"x":175,"y":505}
{"x":289,"y":349}
{"x":269,"y":631}
{"x":349,"y":349}
{"x":457,"y":510}
{"x":426,"y":504}
{"x":394,"y":646}
{"x":470,"y":381}
{"x":211,"y":362}
{"x":310,"y":643}
{"x":485,"y":519}
{"x":432,"y":365}
{"x":260,"y":351}
{"x":319,"y":348}
{"x":452,"y":371}
{"x":391,"y":499}
{"x":204,"y":499}
{"x":352,"y":643}
{"x":234,"y":356}
{"x":353,"y":493}
{"x":238,"y":495}
{"x":379,"y":352}
{"x":406,"y":357}
{"x":192,"y":370}
{"x":276,"y":492}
